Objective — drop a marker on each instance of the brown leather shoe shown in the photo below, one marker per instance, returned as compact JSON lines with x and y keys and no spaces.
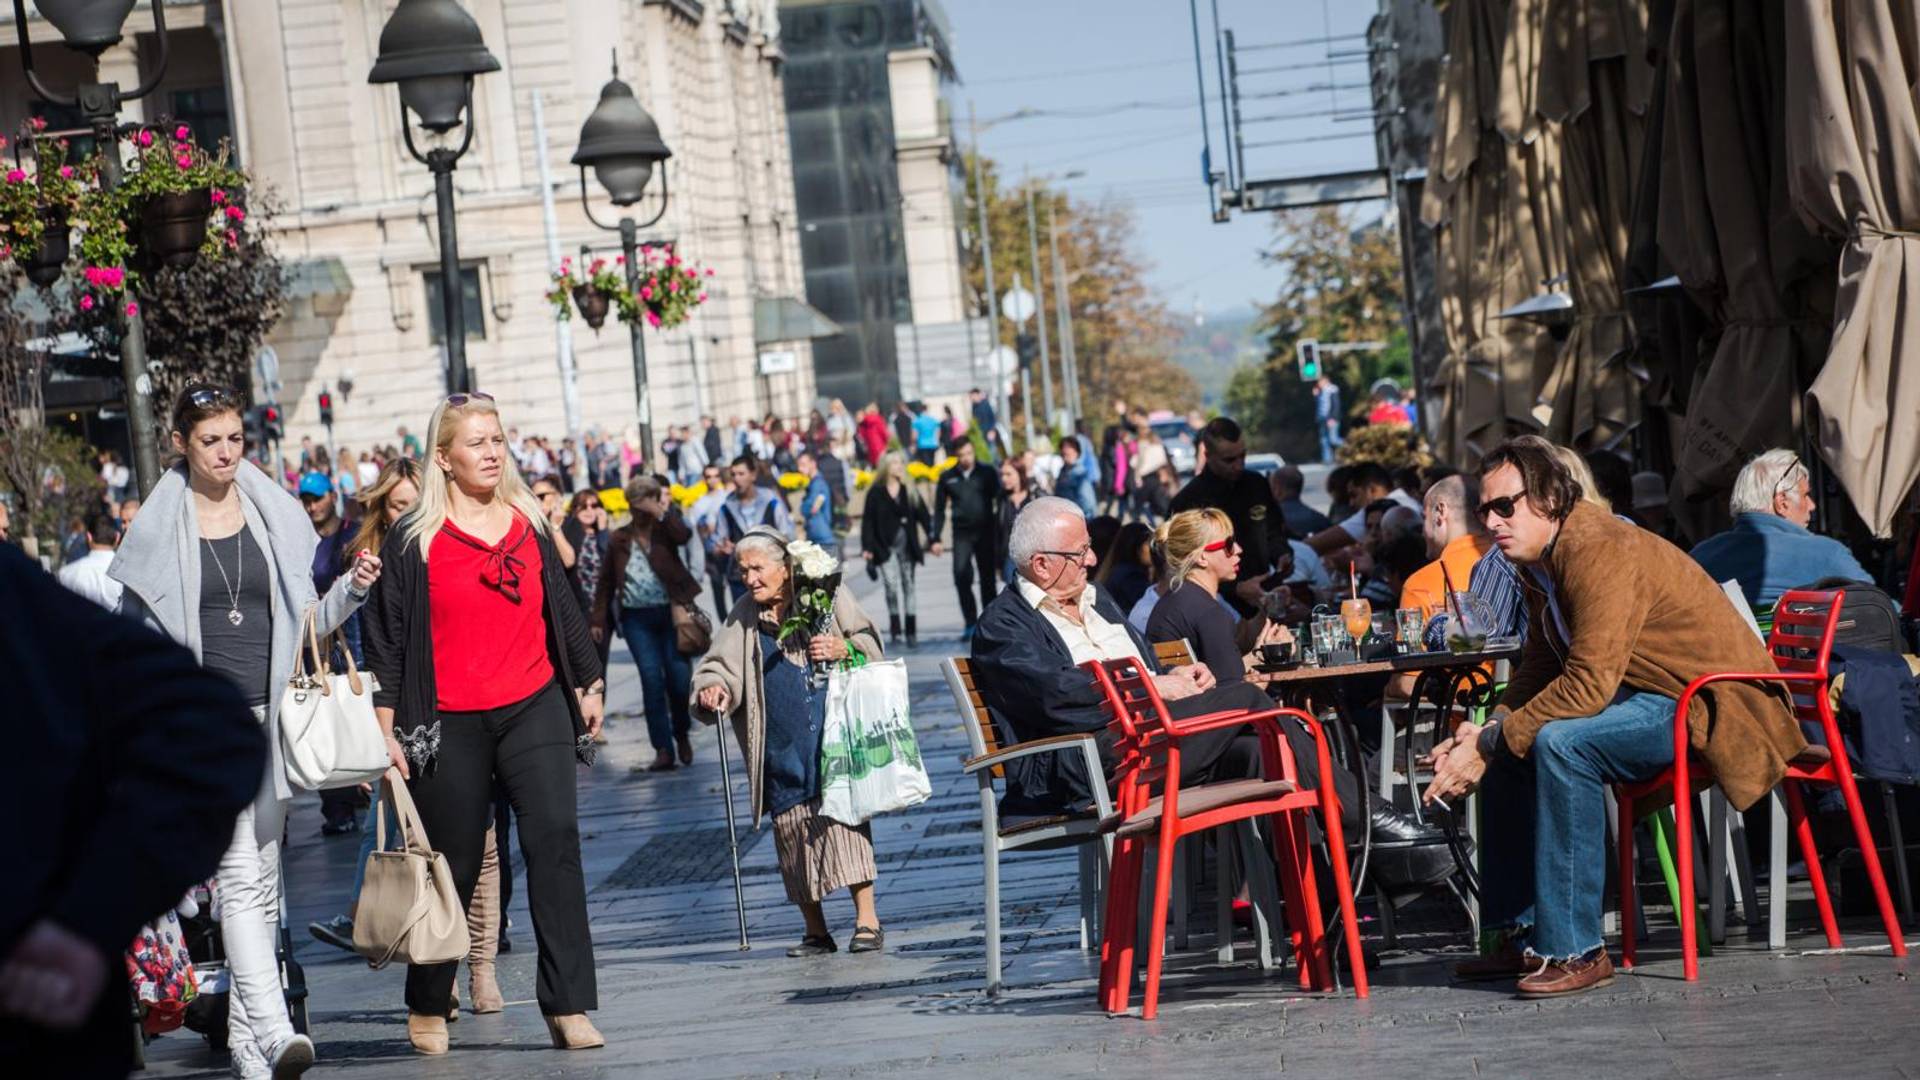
{"x":1559,"y":978}
{"x":1506,"y":962}
{"x":428,"y":1034}
{"x":574,"y":1032}
{"x":684,"y":744}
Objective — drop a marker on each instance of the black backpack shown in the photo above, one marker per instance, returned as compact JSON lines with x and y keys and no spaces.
{"x":1869,"y":618}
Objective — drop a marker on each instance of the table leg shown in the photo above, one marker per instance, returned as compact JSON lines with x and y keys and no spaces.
{"x":1777,"y":872}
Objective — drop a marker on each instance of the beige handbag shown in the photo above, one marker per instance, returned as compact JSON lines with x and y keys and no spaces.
{"x":409,"y":910}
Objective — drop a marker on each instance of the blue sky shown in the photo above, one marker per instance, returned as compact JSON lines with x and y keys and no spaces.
{"x":1124,"y":70}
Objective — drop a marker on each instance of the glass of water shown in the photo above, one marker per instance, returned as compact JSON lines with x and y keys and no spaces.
{"x":1412,"y":626}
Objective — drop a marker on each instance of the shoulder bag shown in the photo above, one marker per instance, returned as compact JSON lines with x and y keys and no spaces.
{"x":329,"y":735}
{"x":692,"y":630}
{"x":409,"y":909}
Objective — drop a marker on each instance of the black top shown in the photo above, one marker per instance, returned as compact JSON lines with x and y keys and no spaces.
{"x":242,"y":651}
{"x":884,"y":517}
{"x":1248,"y":501}
{"x":1195,"y":614}
{"x":1303,"y":520}
{"x":975,"y":497}
{"x":1128,"y":583}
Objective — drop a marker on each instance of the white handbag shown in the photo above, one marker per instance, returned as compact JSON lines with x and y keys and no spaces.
{"x":329,"y":735}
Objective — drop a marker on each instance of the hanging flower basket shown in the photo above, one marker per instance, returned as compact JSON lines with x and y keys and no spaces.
{"x":667,"y":290}
{"x":593,"y":304}
{"x":173,"y":225}
{"x":48,"y":259}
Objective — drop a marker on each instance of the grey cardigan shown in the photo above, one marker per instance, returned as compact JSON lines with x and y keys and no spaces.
{"x":735,"y":655}
{"x":159,"y":563}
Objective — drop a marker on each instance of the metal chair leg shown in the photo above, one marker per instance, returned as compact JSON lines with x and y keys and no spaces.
{"x":1089,"y":896}
{"x":991,"y":850}
{"x":1716,"y":817}
{"x":1894,"y":834}
{"x":1777,"y":871}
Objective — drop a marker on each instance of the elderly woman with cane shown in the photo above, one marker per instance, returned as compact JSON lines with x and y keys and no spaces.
{"x":758,"y":677}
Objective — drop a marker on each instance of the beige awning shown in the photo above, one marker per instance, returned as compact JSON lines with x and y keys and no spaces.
{"x":787,"y":318}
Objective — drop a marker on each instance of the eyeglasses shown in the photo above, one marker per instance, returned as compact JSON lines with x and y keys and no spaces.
{"x":1225,"y":544}
{"x":1503,"y":507}
{"x":1787,"y":479}
{"x":458,"y":400}
{"x":206,"y":396}
{"x":1076,"y":556}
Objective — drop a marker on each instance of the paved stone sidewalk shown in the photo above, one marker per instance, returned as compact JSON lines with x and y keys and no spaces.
{"x":679,"y":999}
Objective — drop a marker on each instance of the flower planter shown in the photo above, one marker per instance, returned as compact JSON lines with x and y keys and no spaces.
{"x":49,"y":260}
{"x":174,"y":225}
{"x":593,"y":305}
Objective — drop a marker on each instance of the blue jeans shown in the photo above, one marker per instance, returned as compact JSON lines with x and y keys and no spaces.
{"x":1544,"y":822}
{"x":1330,"y":440}
{"x":666,"y":677}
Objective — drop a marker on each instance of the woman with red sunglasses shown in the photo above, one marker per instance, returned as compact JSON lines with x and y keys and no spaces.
{"x":1202,"y":554}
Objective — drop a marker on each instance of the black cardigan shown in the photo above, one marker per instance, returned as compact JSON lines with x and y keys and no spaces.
{"x":397,"y":633}
{"x":884,"y":517}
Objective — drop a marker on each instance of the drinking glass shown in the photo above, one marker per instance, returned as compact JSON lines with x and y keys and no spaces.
{"x":1357,"y":614}
{"x":1467,"y":630}
{"x":1382,"y":628}
{"x":1412,"y":623}
{"x":1326,"y":636}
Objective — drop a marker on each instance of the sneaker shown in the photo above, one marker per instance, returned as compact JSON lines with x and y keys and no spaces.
{"x":294,"y":1057}
{"x":337,"y":932}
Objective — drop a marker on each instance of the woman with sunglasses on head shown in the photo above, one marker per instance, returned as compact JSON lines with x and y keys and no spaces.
{"x":221,"y":560}
{"x":487,"y":672}
{"x":589,"y":531}
{"x":642,"y":579}
{"x":1201,"y":555}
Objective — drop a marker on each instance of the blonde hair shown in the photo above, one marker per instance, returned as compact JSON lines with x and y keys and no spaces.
{"x":422,"y":523}
{"x":890,"y":459}
{"x":1582,"y":474}
{"x":1183,"y":539}
{"x":373,"y":503}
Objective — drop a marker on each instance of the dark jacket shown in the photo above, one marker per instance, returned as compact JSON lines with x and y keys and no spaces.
{"x":576,"y":535}
{"x":1879,"y":714}
{"x":663,"y":557}
{"x":1258,"y":523}
{"x":1033,"y":690}
{"x":398,"y":635}
{"x":884,"y":517}
{"x":130,"y":763}
{"x":975,"y":498}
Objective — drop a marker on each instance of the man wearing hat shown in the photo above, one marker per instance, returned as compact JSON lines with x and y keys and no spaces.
{"x":338,"y":806}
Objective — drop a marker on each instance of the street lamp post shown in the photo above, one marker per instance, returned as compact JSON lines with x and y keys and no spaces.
{"x":432,"y":49}
{"x":93,"y":27}
{"x":623,"y":145}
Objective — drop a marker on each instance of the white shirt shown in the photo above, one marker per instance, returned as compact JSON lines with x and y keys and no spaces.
{"x":1092,"y":639}
{"x":88,"y":577}
{"x":1356,"y":526}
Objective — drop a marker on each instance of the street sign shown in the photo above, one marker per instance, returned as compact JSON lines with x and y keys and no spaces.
{"x":1018,"y":304}
{"x":1000,"y":360}
{"x":779,"y":362}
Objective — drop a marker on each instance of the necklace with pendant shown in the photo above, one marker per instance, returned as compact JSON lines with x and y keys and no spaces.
{"x":233,"y":584}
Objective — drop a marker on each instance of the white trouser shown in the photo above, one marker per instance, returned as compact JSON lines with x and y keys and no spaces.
{"x":249,"y":889}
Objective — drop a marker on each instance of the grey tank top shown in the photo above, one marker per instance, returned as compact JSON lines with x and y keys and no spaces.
{"x":234,"y":578}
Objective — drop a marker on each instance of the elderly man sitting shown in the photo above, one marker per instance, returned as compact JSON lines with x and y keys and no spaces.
{"x":1769,"y":548}
{"x":1027,"y":653}
{"x":1619,"y":622}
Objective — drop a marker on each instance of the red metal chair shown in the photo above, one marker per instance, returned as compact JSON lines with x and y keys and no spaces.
{"x":1801,"y":643}
{"x":1150,"y":806}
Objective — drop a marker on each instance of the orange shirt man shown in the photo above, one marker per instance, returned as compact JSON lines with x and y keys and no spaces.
{"x":1454,"y":538}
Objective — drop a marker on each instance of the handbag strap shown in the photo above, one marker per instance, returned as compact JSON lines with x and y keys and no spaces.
{"x":413,"y":833}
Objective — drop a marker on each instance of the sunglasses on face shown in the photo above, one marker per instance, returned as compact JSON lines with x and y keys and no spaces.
{"x":457,"y":400}
{"x":1226,"y":544}
{"x":1502,"y":507}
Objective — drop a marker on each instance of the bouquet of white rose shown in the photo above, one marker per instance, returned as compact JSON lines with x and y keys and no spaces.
{"x":816,"y":577}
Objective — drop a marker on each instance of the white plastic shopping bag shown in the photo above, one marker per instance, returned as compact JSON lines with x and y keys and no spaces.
{"x":869,"y":760}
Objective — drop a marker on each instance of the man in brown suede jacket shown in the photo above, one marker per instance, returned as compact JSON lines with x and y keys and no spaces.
{"x":1619,"y":622}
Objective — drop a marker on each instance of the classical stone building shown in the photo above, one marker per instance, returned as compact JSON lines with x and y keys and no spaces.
{"x":288,"y":80}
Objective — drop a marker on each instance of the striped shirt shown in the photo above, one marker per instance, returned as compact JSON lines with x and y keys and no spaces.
{"x":1497,"y":581}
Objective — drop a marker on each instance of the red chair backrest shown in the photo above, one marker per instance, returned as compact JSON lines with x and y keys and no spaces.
{"x":1804,"y":623}
{"x":1139,"y":720}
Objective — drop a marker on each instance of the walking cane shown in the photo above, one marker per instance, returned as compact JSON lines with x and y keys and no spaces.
{"x":733,"y":838}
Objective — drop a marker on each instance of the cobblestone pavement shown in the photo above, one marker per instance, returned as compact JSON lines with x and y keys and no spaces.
{"x":679,"y":999}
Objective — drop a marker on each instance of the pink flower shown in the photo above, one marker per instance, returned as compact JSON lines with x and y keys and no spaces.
{"x":132,"y":309}
{"x":66,"y":172}
{"x":236,"y":213}
{"x":219,"y":196}
{"x":709,"y":271}
{"x":86,"y":302}
{"x":38,"y":123}
{"x":646,"y":292}
{"x":15,"y":176}
{"x":673,"y":260}
{"x":703,"y":298}
{"x":181,"y":133}
{"x":673,"y":284}
{"x":597,"y":266}
{"x":183,"y":161}
{"x":653,"y":319}
{"x":619,"y":260}
{"x":145,"y":138}
{"x":233,"y":239}
{"x":3,"y":141}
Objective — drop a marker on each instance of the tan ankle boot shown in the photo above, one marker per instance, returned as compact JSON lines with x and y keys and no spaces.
{"x":483,"y":933}
{"x":574,"y":1032}
{"x":428,"y":1034}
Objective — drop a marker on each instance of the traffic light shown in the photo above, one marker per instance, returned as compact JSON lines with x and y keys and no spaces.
{"x":1027,"y":347}
{"x":1307,"y":352}
{"x":326,"y":408}
{"x":270,"y":423}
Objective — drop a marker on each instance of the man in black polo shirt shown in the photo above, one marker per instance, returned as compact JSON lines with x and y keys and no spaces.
{"x":1245,"y":498}
{"x":975,"y":495}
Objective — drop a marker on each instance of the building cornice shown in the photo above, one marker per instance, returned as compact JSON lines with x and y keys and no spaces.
{"x":693,"y":11}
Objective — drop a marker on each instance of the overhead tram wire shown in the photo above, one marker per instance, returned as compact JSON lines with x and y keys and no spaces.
{"x":1300,"y":43}
{"x":1309,"y":139}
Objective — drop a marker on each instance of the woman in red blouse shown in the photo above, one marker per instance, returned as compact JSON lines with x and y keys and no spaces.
{"x":487,"y":670}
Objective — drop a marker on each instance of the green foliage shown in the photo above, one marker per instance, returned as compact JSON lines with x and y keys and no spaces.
{"x":49,"y":192}
{"x":1392,"y":445}
{"x":51,"y":478}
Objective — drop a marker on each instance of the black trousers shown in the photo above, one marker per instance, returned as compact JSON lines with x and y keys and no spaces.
{"x":1233,"y":753}
{"x":975,"y":549}
{"x":529,"y":747}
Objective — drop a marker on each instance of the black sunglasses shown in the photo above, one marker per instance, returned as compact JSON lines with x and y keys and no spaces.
{"x":1502,"y":506}
{"x":457,"y":400}
{"x":206,"y":396}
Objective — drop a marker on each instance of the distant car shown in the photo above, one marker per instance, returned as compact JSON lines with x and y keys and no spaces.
{"x":1265,"y":464}
{"x":1177,"y":436}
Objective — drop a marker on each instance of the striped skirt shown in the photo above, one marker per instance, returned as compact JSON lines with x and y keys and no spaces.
{"x":818,"y":854}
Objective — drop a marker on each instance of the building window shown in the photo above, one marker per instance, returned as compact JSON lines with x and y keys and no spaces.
{"x":205,"y":112}
{"x":474,"y":315}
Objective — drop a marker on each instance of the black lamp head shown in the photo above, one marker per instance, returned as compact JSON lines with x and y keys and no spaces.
{"x":88,"y":26}
{"x":622,"y":143}
{"x":432,"y":49}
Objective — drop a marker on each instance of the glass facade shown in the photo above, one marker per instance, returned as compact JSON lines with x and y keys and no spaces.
{"x":846,"y":188}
